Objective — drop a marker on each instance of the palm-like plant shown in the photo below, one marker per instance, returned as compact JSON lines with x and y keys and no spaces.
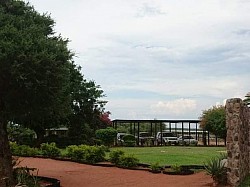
{"x":216,"y":169}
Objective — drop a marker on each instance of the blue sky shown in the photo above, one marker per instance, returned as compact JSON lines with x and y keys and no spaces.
{"x":162,"y":59}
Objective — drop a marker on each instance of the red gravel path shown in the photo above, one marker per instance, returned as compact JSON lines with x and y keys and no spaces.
{"x":80,"y":175}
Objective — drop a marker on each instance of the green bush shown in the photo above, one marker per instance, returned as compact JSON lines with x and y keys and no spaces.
{"x":177,"y":168}
{"x":85,"y":153}
{"x":24,"y":176}
{"x":23,"y":150}
{"x":155,"y":166}
{"x":128,"y":161}
{"x":21,"y":135}
{"x":114,"y":156}
{"x":107,"y":135}
{"x":129,"y":140}
{"x":75,"y":152}
{"x":216,"y":169}
{"x":50,"y":150}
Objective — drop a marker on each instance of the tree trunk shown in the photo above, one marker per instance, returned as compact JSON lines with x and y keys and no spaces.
{"x":6,"y":175}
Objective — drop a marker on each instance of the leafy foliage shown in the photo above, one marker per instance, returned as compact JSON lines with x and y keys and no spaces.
{"x":34,"y":66}
{"x":107,"y":135}
{"x":40,"y":86}
{"x":217,"y":170}
{"x":24,"y":177}
{"x":34,"y":73}
{"x":50,"y":150}
{"x":128,"y":161}
{"x":155,"y":166}
{"x":104,"y":117}
{"x":176,"y":168}
{"x":21,"y":135}
{"x":214,"y":120}
{"x":86,"y":108}
{"x":129,"y":140}
{"x":114,"y":156}
{"x":85,"y":153}
{"x":23,"y":150}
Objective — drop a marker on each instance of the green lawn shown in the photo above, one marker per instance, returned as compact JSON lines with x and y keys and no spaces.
{"x":171,"y":155}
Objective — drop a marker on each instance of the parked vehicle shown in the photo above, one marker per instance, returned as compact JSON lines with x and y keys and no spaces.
{"x":166,"y":138}
{"x":145,"y":138}
{"x":187,"y":140}
{"x":120,"y":136}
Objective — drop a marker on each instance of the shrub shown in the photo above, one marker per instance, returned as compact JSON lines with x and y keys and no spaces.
{"x":50,"y":150}
{"x":23,"y":177}
{"x":128,"y":161}
{"x":129,"y":140}
{"x":23,"y":150}
{"x":114,"y":156}
{"x":75,"y":152}
{"x":155,"y":167}
{"x":21,"y":135}
{"x":107,"y":135}
{"x":85,"y":153}
{"x":216,"y":169}
{"x":176,"y":168}
{"x":95,"y":154}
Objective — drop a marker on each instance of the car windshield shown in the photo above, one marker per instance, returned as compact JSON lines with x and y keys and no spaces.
{"x":167,"y":134}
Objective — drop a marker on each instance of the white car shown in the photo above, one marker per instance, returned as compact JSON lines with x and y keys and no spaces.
{"x":120,"y":136}
{"x":187,"y":140}
{"x":168,"y":138}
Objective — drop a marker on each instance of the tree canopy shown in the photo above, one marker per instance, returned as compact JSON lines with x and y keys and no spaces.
{"x":40,"y":86}
{"x":214,"y":120}
{"x":34,"y":72}
{"x":86,"y":108}
{"x":34,"y":65}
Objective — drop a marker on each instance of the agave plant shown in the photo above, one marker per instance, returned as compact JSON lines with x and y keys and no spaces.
{"x":217,"y":170}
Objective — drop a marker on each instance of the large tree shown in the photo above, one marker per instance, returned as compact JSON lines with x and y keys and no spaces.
{"x":86,"y":108}
{"x":34,"y":73}
{"x":214,"y":121}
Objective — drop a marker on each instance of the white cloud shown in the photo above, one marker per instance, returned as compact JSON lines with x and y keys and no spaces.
{"x":178,"y":49}
{"x":177,"y":107}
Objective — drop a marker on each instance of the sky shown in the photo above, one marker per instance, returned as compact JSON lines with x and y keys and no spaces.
{"x":158,"y":59}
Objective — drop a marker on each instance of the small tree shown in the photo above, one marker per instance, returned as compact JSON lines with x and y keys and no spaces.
{"x":214,"y":121}
{"x":107,"y":135}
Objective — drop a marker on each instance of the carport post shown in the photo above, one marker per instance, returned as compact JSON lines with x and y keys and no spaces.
{"x":138,"y":133}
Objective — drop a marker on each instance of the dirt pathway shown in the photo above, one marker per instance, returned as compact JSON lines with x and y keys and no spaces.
{"x":80,"y":175}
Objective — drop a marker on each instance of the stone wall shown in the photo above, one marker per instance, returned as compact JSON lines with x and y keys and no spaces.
{"x":238,"y":145}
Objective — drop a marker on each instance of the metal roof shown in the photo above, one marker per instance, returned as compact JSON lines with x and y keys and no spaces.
{"x":156,"y":121}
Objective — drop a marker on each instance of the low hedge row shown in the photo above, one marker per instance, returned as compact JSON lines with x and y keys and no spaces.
{"x":80,"y":153}
{"x":46,"y":150}
{"x":85,"y":153}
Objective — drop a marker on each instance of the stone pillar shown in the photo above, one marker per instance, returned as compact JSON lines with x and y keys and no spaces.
{"x":237,"y":120}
